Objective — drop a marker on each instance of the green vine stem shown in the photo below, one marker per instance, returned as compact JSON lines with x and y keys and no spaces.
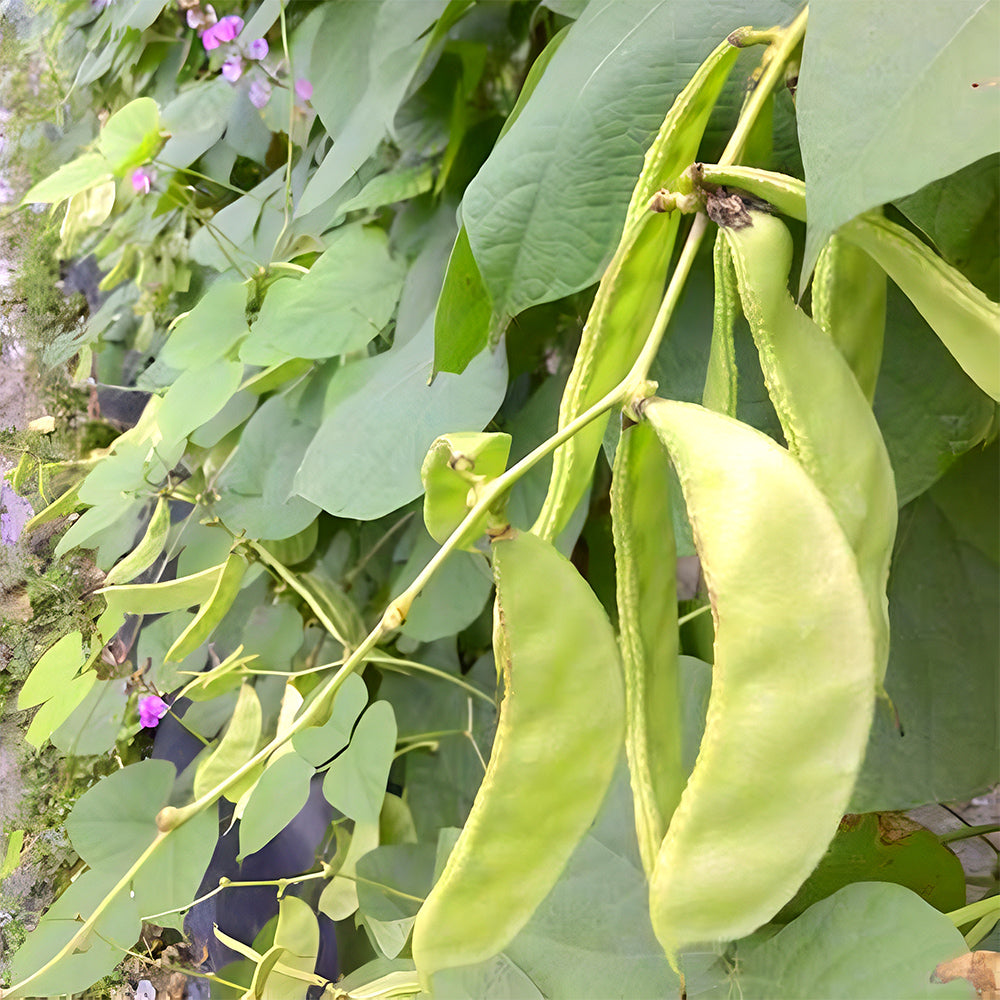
{"x":489,"y":500}
{"x":965,"y":832}
{"x":974,"y":911}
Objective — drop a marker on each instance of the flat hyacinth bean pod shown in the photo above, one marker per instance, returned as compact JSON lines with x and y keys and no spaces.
{"x":792,"y":689}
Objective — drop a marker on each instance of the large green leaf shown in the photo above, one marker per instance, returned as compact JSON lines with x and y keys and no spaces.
{"x":870,"y":939}
{"x":343,"y":302}
{"x":877,"y":79}
{"x":370,"y":52}
{"x":380,"y":418}
{"x":585,"y":942}
{"x":943,"y":597}
{"x":884,"y":847}
{"x":210,"y":329}
{"x":547,"y":208}
{"x":452,"y":599}
{"x":394,"y":880}
{"x":115,"y":821}
{"x":117,"y":929}
{"x":253,"y":487}
{"x":464,"y":311}
{"x":170,"y":878}
{"x":196,"y":119}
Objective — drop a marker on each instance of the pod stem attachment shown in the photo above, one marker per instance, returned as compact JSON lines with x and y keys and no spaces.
{"x":780,"y":51}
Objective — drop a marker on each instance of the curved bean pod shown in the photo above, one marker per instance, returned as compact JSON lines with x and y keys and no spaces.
{"x":967,"y":322}
{"x":630,"y":291}
{"x":826,"y":418}
{"x":226,"y":589}
{"x":646,"y":582}
{"x":792,"y":690}
{"x":721,"y":378}
{"x":149,"y":548}
{"x":558,"y":740}
{"x":848,"y":303}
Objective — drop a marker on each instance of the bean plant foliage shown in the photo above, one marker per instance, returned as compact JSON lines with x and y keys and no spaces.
{"x":437,"y":377}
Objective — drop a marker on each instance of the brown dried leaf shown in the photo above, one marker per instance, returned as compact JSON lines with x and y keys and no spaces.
{"x":981,"y":968}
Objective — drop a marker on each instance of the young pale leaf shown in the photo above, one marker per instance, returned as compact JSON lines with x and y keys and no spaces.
{"x":319,"y":744}
{"x":71,"y":178}
{"x":454,"y":466}
{"x":355,"y":781}
{"x":57,"y":666}
{"x":58,"y":708}
{"x":275,"y":801}
{"x":132,"y":135}
{"x":298,"y":934}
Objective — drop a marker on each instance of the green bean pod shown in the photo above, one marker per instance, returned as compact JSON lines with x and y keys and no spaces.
{"x":848,"y":303}
{"x":64,"y":504}
{"x":213,"y":610}
{"x":826,"y":418}
{"x":792,"y":689}
{"x":967,"y":322}
{"x":721,"y":378}
{"x":646,"y":581}
{"x":558,"y":740}
{"x":629,"y":294}
{"x":146,"y":552}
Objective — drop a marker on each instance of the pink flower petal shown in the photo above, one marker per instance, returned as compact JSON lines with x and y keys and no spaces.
{"x":303,"y":89}
{"x":232,"y":68}
{"x":142,"y":181}
{"x":152,"y":708}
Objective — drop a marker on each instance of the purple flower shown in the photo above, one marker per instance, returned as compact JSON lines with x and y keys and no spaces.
{"x":257,"y":49}
{"x":260,"y":94}
{"x":142,"y":180}
{"x":222,"y":31}
{"x":303,"y":89}
{"x":152,"y":708}
{"x":232,"y":68}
